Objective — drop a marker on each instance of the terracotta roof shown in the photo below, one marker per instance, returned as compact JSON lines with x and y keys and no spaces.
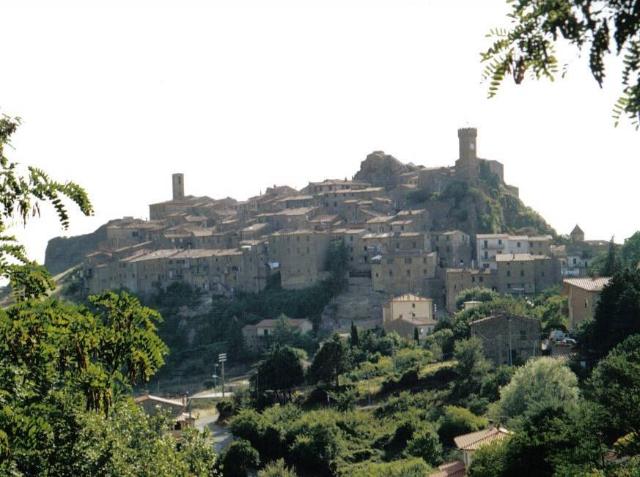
{"x":450,"y":469}
{"x":475,"y":440}
{"x":589,"y":284}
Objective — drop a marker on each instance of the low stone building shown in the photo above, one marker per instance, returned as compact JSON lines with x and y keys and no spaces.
{"x":406,"y":313}
{"x":583,"y":295}
{"x":259,"y":336}
{"x":508,"y":339}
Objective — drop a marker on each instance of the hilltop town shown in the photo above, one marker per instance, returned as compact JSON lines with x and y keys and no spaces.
{"x":431,"y":232}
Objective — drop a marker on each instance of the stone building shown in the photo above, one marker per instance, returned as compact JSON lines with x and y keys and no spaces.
{"x":288,"y":218}
{"x":453,"y":248}
{"x":525,"y":274}
{"x":508,"y":339}
{"x":259,"y":336}
{"x":301,"y":255}
{"x":406,"y":313}
{"x":404,"y":271}
{"x":583,"y":295}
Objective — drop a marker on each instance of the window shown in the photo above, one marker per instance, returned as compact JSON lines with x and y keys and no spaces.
{"x":390,"y":273}
{"x":473,"y":279}
{"x":523,"y":335}
{"x":486,"y":244}
{"x":518,"y":244}
{"x":481,"y":279}
{"x":407,"y":261}
{"x":486,"y":254}
{"x":508,"y":273}
{"x":408,"y":272}
{"x":499,"y":241}
{"x":413,"y":305}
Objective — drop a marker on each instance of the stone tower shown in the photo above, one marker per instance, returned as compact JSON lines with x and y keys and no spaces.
{"x":467,"y":143}
{"x":178,"y":186}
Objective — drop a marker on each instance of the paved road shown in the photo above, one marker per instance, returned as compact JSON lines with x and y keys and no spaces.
{"x":221,"y":436}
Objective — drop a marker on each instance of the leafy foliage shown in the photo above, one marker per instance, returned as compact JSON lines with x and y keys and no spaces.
{"x":528,"y":47}
{"x":281,"y":370}
{"x":330,"y":362}
{"x":21,"y":196}
{"x":543,"y":382}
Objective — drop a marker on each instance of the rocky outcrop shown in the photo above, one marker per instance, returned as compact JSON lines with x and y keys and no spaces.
{"x":65,"y":252}
{"x":358,"y":304}
{"x":382,"y":170}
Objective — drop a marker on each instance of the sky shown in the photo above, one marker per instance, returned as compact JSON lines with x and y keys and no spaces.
{"x":240,"y":95}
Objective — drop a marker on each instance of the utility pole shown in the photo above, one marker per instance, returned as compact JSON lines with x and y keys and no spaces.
{"x":222,"y":358}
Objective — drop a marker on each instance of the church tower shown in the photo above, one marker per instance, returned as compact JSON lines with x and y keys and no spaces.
{"x":178,"y":186}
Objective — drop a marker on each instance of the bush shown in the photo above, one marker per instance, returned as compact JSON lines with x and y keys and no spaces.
{"x":457,"y":421}
{"x":425,"y":444}
{"x":239,"y":459}
{"x":277,"y":469}
{"x":225,"y":409}
{"x":415,"y":467}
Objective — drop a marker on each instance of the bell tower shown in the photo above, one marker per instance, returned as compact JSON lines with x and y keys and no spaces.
{"x":178,"y":186}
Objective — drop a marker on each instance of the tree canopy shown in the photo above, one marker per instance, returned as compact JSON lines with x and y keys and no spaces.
{"x":529,"y":46}
{"x":543,"y":382}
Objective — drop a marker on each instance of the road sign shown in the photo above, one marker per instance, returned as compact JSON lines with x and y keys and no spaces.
{"x":222,"y":357}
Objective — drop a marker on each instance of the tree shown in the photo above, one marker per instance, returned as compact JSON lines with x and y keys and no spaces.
{"x":543,"y":382}
{"x":615,"y":385}
{"x":471,"y":367}
{"x":354,"y":341}
{"x":528,"y":47}
{"x":281,"y":370}
{"x":22,"y":195}
{"x":475,"y":294}
{"x":617,"y":316}
{"x":330,"y":362}
{"x":425,"y":444}
{"x":61,"y":363}
{"x":611,"y":264}
{"x":630,"y":251}
{"x":239,"y":459}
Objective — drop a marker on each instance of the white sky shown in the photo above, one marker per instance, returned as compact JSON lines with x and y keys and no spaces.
{"x":240,"y":95}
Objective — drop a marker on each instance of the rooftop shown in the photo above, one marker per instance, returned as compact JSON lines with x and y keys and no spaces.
{"x":475,"y":440}
{"x":589,"y":284}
